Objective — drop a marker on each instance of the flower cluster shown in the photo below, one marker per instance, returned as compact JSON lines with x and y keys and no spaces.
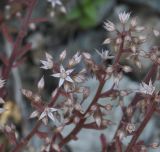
{"x":68,"y":104}
{"x":67,"y":78}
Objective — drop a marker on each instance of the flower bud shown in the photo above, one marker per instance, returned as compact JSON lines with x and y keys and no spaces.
{"x":129,"y":111}
{"x":109,"y":70}
{"x":62,"y":55}
{"x":87,"y":55}
{"x":27,"y":93}
{"x":94,"y":108}
{"x":108,"y":107}
{"x":34,"y":114}
{"x":118,"y":40}
{"x":130,"y":127}
{"x":127,"y":69}
{"x":107,"y":41}
{"x":76,"y":120}
{"x":41,"y":83}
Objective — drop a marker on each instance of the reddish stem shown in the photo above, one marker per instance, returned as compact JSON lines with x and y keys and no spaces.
{"x":25,"y":140}
{"x":118,"y":145}
{"x":103,"y":143}
{"x":17,"y":45}
{"x":141,"y":127}
{"x":79,"y":126}
{"x":75,"y":131}
{"x":137,"y":97}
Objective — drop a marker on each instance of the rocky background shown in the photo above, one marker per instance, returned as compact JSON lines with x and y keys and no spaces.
{"x":78,"y":28}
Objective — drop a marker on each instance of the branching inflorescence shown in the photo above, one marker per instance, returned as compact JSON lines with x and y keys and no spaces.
{"x":55,"y":116}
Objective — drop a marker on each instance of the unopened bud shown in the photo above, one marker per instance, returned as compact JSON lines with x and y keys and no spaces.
{"x":94,"y":108}
{"x":76,"y":120}
{"x":54,"y":93}
{"x":118,"y":40}
{"x":107,"y":41}
{"x":138,"y":63}
{"x":129,"y":111}
{"x":37,"y":98}
{"x":87,"y":55}
{"x":34,"y":114}
{"x":127,"y":69}
{"x":27,"y":93}
{"x":108,"y":107}
{"x":32,"y":26}
{"x":41,"y":83}
{"x":62,"y":55}
{"x":130,"y":127}
{"x":109,"y":70}
{"x":98,"y":120}
{"x":78,"y":107}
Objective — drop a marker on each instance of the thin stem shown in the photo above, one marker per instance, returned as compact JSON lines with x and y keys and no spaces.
{"x":118,"y":145}
{"x":141,"y":127}
{"x":79,"y":126}
{"x":22,"y":32}
{"x":25,"y":140}
{"x":52,"y":141}
{"x":137,"y":98}
{"x":75,"y":131}
{"x":103,"y":143}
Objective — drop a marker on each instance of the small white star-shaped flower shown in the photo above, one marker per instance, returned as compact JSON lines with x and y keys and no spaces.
{"x":147,"y":89}
{"x":124,"y":17}
{"x":49,"y":113}
{"x":48,"y":64}
{"x":63,"y":75}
